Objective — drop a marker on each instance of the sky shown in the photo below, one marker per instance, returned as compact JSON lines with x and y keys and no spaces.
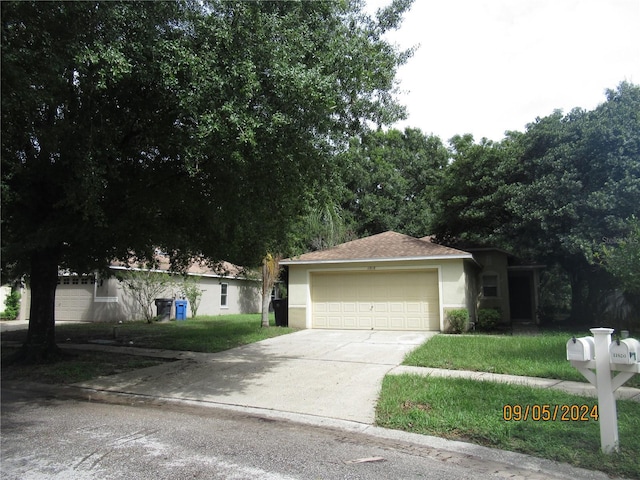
{"x":487,"y":66}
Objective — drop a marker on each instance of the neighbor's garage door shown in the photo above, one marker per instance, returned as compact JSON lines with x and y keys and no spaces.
{"x":376,"y":300}
{"x":74,"y":300}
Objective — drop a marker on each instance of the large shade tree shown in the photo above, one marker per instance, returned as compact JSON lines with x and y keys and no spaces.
{"x":552,"y":193}
{"x":389,"y":179}
{"x":583,"y":184}
{"x":194,"y":127}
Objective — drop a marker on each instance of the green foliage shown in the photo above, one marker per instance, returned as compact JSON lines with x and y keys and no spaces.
{"x":550,"y":194}
{"x":11,"y":306}
{"x":470,"y":201}
{"x":620,"y":256}
{"x":458,"y":320}
{"x":488,"y":318}
{"x":389,"y":179}
{"x":190,"y":288}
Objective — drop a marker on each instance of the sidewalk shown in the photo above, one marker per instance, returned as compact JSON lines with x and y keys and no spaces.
{"x":576,"y":388}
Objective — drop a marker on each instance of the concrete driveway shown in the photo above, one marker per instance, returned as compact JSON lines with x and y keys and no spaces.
{"x":326,"y":373}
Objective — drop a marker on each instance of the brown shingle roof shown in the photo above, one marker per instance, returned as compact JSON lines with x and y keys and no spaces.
{"x":384,"y":246}
{"x":197,"y":267}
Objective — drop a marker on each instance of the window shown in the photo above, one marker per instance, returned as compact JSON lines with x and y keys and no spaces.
{"x":66,"y":281}
{"x":490,"y":285}
{"x":223,"y":294}
{"x":75,"y":281}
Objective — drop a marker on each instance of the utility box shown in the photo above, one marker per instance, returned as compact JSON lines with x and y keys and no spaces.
{"x":181,"y":309}
{"x":581,"y":349}
{"x":626,"y":351}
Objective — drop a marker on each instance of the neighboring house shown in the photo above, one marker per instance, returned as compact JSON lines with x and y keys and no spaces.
{"x":226,"y":290}
{"x":392,"y":281}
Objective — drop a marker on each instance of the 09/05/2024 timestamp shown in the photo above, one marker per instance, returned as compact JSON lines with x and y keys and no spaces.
{"x":549,"y":413}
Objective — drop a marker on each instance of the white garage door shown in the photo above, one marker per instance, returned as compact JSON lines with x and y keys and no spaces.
{"x":376,"y":300}
{"x":74,"y":299}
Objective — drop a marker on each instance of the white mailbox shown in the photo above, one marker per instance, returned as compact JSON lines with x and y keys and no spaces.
{"x":626,"y":351}
{"x":581,"y":349}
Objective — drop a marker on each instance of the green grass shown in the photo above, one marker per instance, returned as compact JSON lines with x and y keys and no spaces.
{"x":200,"y":334}
{"x":76,"y":367}
{"x":529,"y":355}
{"x":473,"y":411}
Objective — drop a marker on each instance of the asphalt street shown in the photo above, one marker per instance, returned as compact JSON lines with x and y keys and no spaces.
{"x":60,"y":438}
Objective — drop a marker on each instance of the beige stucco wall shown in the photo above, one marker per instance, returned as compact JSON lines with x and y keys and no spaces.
{"x":451,"y":275}
{"x":494,"y":262}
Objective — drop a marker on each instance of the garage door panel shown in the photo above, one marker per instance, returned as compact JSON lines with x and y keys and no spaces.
{"x":349,"y":307}
{"x":396,"y":307}
{"x":380,"y":307}
{"x":382,"y":300}
{"x":74,"y":302}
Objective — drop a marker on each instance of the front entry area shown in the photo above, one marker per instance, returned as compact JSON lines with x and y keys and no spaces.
{"x":376,"y":300}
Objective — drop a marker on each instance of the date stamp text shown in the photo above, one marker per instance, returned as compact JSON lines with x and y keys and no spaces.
{"x":549,"y":413}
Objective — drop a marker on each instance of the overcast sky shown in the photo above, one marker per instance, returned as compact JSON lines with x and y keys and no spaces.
{"x":487,"y":66}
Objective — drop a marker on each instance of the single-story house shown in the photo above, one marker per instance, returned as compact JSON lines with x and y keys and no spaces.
{"x":225,"y":290}
{"x":392,"y":281}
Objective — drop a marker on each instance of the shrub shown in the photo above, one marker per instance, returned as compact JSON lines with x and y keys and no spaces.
{"x":12,"y":306}
{"x":192,"y":292}
{"x":458,"y":320}
{"x":488,"y":318}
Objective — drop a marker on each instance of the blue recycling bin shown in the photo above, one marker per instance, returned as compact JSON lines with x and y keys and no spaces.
{"x":181,"y":309}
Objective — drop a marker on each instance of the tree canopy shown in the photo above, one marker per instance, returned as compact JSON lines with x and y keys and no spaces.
{"x":195,"y":127}
{"x":388,"y":180}
{"x":553,"y":192}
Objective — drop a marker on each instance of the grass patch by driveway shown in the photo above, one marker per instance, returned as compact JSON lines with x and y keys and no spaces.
{"x":472,"y":411}
{"x":78,"y":367}
{"x":200,"y":334}
{"x":541,"y":355}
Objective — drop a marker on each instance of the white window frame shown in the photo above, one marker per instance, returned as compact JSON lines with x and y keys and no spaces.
{"x":224,"y":295}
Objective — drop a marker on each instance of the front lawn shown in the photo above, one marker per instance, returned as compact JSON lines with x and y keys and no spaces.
{"x":471,"y":411}
{"x":201,"y":334}
{"x":541,"y":355}
{"x":485,"y":413}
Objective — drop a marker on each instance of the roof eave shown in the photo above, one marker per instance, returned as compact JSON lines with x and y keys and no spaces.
{"x":461,"y":256}
{"x":193,"y":274}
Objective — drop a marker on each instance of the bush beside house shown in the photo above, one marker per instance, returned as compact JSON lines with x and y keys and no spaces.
{"x":11,"y":306}
{"x":458,"y":320}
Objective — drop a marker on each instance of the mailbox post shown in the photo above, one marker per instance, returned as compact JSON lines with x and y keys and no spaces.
{"x":604,"y":356}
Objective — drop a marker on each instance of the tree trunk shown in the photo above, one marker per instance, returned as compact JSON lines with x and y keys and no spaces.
{"x":266,"y":299}
{"x":40,"y":346}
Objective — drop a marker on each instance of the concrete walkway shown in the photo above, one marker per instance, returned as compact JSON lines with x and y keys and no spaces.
{"x":575,"y":388}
